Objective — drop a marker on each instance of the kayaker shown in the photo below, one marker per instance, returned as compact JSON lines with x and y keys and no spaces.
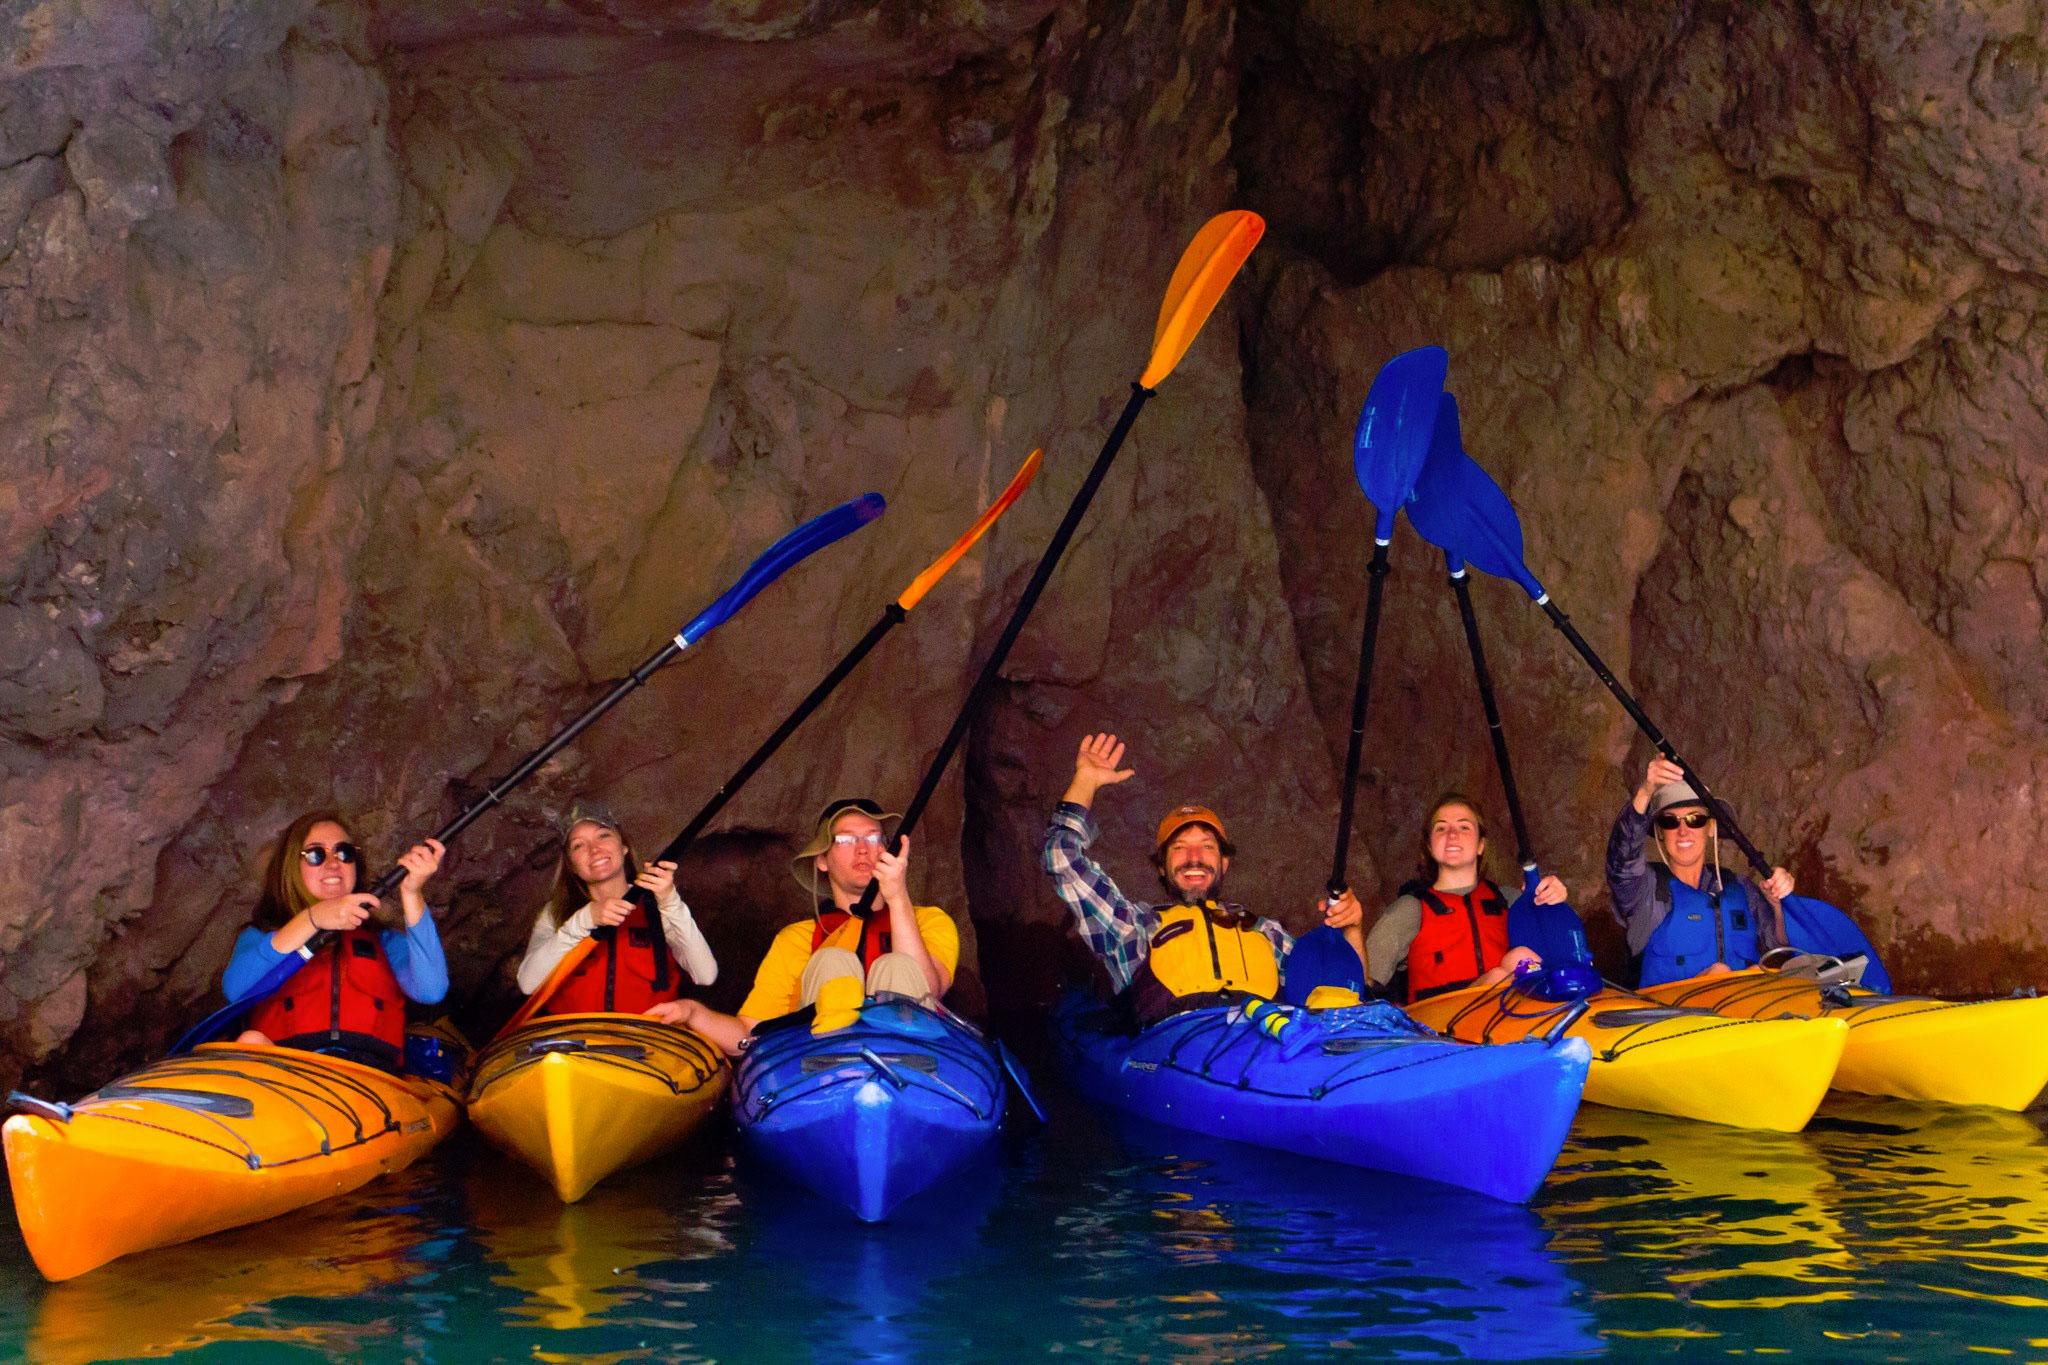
{"x":641,"y":962}
{"x":349,"y":997}
{"x":900,"y":947}
{"x":1448,"y":929}
{"x":1683,"y":915}
{"x":1177,"y":954}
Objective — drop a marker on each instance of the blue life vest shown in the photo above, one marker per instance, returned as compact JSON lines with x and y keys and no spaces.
{"x":1700,"y":929}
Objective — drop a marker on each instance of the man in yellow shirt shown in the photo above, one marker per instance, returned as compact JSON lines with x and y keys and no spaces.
{"x":899,"y":947}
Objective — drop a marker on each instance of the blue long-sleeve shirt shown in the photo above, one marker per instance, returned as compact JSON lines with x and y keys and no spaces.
{"x":414,"y":953}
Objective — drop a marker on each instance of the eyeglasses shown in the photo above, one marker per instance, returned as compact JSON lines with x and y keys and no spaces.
{"x":315,"y":854}
{"x":873,"y":839}
{"x":1692,"y":819}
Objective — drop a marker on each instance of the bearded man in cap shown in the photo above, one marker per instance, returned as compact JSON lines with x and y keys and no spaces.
{"x":1188,"y":950}
{"x":897,"y":947}
{"x":1683,"y":915}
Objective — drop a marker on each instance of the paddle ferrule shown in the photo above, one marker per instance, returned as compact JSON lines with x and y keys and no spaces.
{"x":991,"y":669}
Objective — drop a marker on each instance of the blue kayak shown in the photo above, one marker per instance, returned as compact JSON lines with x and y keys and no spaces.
{"x":869,"y":1114}
{"x":1363,"y":1085}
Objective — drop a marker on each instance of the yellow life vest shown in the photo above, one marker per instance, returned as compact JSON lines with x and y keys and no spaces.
{"x":1205,"y":948}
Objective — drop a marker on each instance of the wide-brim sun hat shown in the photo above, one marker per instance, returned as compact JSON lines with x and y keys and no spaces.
{"x":804,"y":865}
{"x":1672,"y":795}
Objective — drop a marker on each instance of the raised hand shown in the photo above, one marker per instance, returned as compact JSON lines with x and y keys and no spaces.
{"x":1661,"y":772}
{"x":1097,"y":765}
{"x":1550,"y":891}
{"x":420,"y":862}
{"x":1342,"y":912}
{"x":892,"y":872}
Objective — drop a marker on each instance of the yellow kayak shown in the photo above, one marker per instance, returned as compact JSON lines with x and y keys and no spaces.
{"x":223,"y":1136}
{"x":578,"y":1096}
{"x":1915,"y":1047}
{"x":1750,"y":1073}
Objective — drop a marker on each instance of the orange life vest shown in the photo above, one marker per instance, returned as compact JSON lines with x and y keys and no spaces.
{"x":874,"y":933}
{"x":1461,"y":938}
{"x":628,"y":972}
{"x":344,"y":999}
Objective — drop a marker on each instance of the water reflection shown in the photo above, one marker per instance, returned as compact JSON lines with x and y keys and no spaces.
{"x":1325,"y":1255}
{"x":287,"y":1281}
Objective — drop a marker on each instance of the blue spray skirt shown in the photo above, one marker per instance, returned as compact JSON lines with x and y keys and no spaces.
{"x":873,"y":1113}
{"x":1363,"y":1086}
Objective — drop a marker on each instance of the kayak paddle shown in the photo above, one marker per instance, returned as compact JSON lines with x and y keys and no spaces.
{"x":891,"y":615}
{"x":1387,"y":453}
{"x":1206,"y":269}
{"x":805,"y":540}
{"x":1460,"y":509}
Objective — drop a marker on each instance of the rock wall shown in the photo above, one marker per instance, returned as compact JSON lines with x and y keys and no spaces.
{"x":379,"y":383}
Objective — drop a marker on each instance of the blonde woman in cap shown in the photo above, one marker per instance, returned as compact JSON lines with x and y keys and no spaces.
{"x":1179,"y":953}
{"x":1684,"y":915}
{"x":898,"y":947}
{"x":641,"y":960}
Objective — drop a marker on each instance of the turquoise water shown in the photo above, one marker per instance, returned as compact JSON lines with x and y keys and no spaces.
{"x":1887,"y":1231}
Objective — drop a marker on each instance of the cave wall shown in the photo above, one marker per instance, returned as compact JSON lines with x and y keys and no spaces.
{"x":378,"y":383}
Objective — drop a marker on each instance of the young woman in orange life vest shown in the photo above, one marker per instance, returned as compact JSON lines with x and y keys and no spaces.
{"x":640,"y":961}
{"x":349,"y":998}
{"x":1449,"y":927}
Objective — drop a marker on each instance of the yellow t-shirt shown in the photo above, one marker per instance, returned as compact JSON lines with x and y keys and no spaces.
{"x":778,"y":984}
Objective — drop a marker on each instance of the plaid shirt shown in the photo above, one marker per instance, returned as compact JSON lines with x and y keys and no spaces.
{"x":1118,"y":929}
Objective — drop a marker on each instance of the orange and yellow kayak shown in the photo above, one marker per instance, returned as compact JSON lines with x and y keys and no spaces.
{"x":578,"y":1096}
{"x":223,"y":1136}
{"x":1648,"y":1055}
{"x":1915,"y":1047}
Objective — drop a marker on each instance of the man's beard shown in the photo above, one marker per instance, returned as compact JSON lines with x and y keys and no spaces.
{"x":1183,"y":896}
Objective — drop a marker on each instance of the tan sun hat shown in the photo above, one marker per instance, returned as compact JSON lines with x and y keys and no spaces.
{"x":1673,"y":794}
{"x":804,"y":866}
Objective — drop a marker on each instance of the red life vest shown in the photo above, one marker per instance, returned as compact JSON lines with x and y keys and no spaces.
{"x":626,"y":973}
{"x":874,"y":933}
{"x":345,"y":999}
{"x":1461,"y":938}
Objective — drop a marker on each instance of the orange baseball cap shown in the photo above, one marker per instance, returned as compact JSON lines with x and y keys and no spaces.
{"x":1180,"y":817}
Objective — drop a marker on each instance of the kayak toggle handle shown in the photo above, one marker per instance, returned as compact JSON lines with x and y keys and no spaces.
{"x":54,"y":1110}
{"x":883,"y":1069}
{"x":1555,"y":1033}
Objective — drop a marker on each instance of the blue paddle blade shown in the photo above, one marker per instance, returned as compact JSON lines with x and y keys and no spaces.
{"x":1394,"y":428}
{"x":1817,"y":927}
{"x":1458,"y":508}
{"x":1554,"y":933}
{"x":807,"y":539}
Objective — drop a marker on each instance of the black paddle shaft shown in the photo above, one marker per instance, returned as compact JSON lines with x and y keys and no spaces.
{"x":1361,"y":698}
{"x":677,"y":846}
{"x":1461,"y":583}
{"x":502,"y":788}
{"x":984,"y":683}
{"x":1656,"y":736}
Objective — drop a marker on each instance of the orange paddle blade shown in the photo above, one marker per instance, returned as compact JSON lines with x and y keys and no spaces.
{"x":546,"y":991}
{"x":922,"y":584}
{"x":1206,"y":269}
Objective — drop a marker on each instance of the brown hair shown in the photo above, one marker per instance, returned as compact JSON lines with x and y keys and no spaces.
{"x":569,"y":893}
{"x":1427,"y":868}
{"x":284,"y":890}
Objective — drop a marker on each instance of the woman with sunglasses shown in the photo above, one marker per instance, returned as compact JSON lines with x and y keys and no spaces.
{"x":1684,"y":915}
{"x":349,"y":997}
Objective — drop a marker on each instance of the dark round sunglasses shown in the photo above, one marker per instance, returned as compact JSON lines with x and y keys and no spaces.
{"x":316,"y":854}
{"x":1692,"y":819}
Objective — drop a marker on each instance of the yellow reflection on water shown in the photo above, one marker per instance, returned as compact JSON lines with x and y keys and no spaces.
{"x":219,"y":1289}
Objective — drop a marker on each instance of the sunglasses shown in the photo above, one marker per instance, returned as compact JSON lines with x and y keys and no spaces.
{"x":873,"y":839}
{"x":1692,"y":819}
{"x":315,"y":854}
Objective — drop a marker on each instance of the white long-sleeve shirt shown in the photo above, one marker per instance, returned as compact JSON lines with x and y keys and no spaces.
{"x":547,"y":945}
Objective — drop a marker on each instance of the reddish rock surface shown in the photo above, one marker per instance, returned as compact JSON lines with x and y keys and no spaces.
{"x":379,"y":384}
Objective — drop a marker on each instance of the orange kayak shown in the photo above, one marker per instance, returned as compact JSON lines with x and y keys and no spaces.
{"x":1915,"y":1047}
{"x":1651,"y":1056}
{"x":223,"y":1136}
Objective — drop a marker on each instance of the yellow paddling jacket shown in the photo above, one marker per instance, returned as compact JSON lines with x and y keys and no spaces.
{"x":1201,"y":950}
